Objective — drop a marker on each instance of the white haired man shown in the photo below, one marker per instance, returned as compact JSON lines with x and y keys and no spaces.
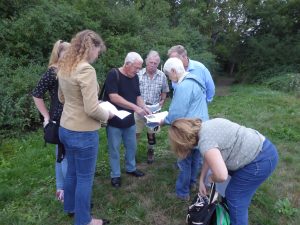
{"x":189,"y":101}
{"x":122,"y":90}
{"x":154,"y":88}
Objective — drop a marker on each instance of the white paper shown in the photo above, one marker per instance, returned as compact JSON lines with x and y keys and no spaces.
{"x":154,"y":108}
{"x":153,"y":120}
{"x":111,"y":108}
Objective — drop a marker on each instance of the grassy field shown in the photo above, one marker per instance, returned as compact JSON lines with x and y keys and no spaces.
{"x":27,"y":184}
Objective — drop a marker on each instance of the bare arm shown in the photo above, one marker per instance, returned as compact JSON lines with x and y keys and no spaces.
{"x":40,"y":104}
{"x":202,"y":188}
{"x":141,"y":103}
{"x":162,"y":98}
{"x":216,"y":163}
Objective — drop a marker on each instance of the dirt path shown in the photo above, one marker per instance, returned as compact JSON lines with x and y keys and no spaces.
{"x":223,"y":85}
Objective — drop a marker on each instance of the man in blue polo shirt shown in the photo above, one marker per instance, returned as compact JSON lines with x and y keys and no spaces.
{"x":194,"y":67}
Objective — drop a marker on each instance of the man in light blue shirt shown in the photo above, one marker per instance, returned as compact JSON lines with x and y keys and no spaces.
{"x":194,"y":67}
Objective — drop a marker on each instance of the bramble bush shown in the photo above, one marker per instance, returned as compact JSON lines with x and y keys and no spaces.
{"x":17,"y":111}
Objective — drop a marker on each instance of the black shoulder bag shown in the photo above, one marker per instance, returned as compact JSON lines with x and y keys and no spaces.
{"x":51,"y":136}
{"x":205,"y":211}
{"x":51,"y":132}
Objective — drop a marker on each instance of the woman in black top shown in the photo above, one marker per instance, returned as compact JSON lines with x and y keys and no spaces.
{"x":49,"y":82}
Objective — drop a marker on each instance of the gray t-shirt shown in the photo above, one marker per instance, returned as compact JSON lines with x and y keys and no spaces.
{"x":238,"y":145}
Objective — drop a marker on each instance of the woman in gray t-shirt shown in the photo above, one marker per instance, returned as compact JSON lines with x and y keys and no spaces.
{"x":227,"y":148}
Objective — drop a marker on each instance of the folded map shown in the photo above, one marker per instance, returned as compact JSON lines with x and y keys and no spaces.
{"x":111,"y":108}
{"x":154,"y":120}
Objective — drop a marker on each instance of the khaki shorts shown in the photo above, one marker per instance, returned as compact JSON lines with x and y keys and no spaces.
{"x":140,"y":124}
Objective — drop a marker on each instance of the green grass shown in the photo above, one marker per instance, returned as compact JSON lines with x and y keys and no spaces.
{"x":27,"y":184}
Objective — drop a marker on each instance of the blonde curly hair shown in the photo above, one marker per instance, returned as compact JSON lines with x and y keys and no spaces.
{"x":184,"y":136}
{"x":81,"y":46}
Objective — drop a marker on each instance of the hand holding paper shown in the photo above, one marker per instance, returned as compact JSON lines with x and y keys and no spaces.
{"x":112,"y":109}
{"x":154,"y":120}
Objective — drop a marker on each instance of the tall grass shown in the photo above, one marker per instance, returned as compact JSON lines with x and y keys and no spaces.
{"x":27,"y":183}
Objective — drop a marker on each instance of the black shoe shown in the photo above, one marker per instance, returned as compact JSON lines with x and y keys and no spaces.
{"x":150,"y":156}
{"x":136,"y":173}
{"x":71,"y":214}
{"x":116,"y":182}
{"x":104,"y":221}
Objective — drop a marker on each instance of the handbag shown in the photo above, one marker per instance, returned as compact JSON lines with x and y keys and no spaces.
{"x":203,"y":210}
{"x":51,"y":132}
{"x":51,"y":135}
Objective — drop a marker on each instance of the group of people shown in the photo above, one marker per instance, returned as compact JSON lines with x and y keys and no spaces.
{"x":223,"y":146}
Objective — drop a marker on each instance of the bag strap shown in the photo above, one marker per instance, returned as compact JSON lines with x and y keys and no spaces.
{"x":60,"y":152}
{"x":102,"y":92}
{"x":101,"y":96}
{"x":212,"y":192}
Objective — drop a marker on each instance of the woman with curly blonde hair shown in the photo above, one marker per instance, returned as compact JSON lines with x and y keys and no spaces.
{"x":227,"y":148}
{"x":80,"y":121}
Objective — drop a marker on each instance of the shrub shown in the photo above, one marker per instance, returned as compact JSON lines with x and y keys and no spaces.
{"x":17,"y":110}
{"x":34,"y":31}
{"x":289,"y":82}
{"x":285,"y":207}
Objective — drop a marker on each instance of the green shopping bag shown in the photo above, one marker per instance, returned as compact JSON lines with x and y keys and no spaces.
{"x":221,"y":214}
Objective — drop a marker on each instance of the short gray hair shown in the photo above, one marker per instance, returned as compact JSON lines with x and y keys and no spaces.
{"x":132,"y":57}
{"x":174,"y":63}
{"x":179,"y":49}
{"x":152,"y":54}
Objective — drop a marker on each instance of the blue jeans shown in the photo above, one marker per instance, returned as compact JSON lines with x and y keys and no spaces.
{"x":60,"y":171}
{"x":81,"y":152}
{"x":114,"y":137}
{"x":188,"y":173}
{"x":246,"y":180}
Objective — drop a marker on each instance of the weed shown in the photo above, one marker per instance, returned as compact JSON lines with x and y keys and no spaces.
{"x":284,"y":206}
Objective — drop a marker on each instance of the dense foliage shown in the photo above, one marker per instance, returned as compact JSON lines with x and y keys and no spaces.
{"x":245,"y":38}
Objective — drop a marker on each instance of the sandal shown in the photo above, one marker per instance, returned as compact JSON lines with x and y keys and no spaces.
{"x":99,"y":222}
{"x":60,"y":195}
